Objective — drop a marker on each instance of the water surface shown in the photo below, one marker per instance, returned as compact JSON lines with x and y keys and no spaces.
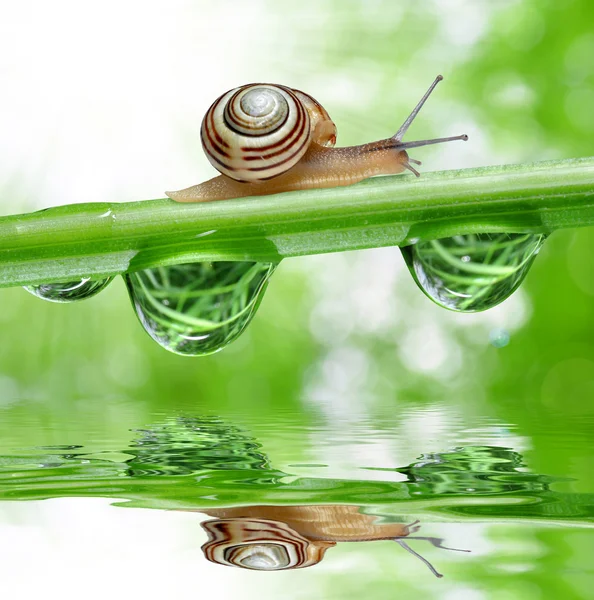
{"x":473,"y":482}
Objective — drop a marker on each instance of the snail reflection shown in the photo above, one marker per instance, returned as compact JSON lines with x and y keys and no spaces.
{"x":208,"y":465}
{"x":274,"y":538}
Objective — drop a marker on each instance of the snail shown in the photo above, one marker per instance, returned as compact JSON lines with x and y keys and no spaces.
{"x":265,"y":139}
{"x":273,"y":538}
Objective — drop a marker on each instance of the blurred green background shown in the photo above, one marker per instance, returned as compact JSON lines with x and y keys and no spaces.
{"x":104,"y":102}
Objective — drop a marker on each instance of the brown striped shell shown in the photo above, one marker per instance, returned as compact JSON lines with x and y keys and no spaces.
{"x":260,"y":545}
{"x":259,"y":131}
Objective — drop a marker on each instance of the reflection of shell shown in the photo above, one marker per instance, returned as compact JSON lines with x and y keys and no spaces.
{"x":271,"y":538}
{"x":329,"y":522}
{"x":260,"y":544}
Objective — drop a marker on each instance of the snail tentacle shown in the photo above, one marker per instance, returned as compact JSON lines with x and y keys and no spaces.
{"x":409,"y":549}
{"x":434,"y":541}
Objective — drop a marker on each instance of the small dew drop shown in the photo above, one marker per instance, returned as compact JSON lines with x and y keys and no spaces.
{"x":197,"y":309}
{"x":69,"y":291}
{"x":499,"y":338}
{"x":470,"y":273}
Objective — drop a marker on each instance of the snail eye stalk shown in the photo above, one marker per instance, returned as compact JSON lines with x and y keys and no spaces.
{"x":437,"y":542}
{"x":404,"y":127}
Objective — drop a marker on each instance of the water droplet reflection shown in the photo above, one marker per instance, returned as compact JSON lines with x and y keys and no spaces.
{"x":470,"y":273}
{"x":196,"y":309}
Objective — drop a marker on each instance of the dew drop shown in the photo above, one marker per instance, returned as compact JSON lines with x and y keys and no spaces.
{"x":69,"y":291}
{"x":197,"y":309}
{"x":470,"y":273}
{"x":499,"y":338}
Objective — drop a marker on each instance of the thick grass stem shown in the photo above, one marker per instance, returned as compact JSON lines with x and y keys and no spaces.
{"x":98,"y":240}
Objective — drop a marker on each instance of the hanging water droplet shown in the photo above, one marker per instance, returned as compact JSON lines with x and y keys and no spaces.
{"x":196,"y":309}
{"x":69,"y":291}
{"x":470,"y":273}
{"x":499,"y":337}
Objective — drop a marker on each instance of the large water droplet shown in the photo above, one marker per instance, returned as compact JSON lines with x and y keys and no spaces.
{"x":69,"y":291}
{"x":198,"y":308}
{"x":470,"y":273}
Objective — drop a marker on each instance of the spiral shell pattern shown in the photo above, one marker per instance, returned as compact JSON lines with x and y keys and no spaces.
{"x":256,"y":132}
{"x":259,"y":544}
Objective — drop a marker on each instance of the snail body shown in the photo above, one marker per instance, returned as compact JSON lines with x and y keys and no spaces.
{"x":272,"y":538}
{"x":267,"y":139}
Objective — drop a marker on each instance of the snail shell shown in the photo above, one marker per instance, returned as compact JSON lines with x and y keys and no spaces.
{"x":260,"y":545}
{"x":256,"y":132}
